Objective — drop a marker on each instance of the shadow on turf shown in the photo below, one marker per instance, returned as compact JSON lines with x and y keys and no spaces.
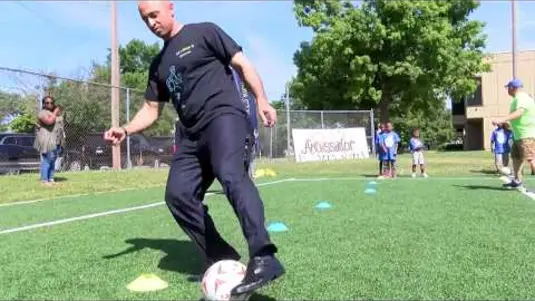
{"x":60,"y":179}
{"x":181,"y":256}
{"x":486,"y":187}
{"x":484,"y":171}
{"x":369,"y":175}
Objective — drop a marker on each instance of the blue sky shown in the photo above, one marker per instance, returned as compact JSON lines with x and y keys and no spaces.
{"x":65,"y":36}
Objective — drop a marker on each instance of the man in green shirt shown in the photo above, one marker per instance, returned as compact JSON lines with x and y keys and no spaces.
{"x":522,"y":119}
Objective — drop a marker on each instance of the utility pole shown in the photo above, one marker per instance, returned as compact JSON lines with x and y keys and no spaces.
{"x":287,"y":103}
{"x":115,"y":83}
{"x":513,"y":28}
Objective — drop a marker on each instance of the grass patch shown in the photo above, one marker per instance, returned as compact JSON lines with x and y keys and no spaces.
{"x":414,"y":239}
{"x":456,"y":235}
{"x":27,"y":187}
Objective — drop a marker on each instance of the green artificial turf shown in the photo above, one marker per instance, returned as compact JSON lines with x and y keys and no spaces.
{"x":28,"y":187}
{"x":436,"y":238}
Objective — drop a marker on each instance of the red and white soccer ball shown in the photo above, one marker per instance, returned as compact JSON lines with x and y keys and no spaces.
{"x":219,"y":280}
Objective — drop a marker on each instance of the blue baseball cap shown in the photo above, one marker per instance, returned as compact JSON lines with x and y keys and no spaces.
{"x":515,"y":83}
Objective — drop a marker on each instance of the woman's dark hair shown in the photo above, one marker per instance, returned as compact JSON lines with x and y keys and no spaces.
{"x":48,"y":97}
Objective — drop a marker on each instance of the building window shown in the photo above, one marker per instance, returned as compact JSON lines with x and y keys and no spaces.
{"x":458,"y":108}
{"x":475,"y":99}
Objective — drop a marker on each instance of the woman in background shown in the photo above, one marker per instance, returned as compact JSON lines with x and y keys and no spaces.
{"x":48,"y":141}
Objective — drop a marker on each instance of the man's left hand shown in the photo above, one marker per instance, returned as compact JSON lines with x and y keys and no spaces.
{"x":267,"y":113}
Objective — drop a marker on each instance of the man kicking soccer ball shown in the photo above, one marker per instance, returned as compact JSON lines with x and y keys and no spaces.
{"x":216,"y":136}
{"x":522,"y":119}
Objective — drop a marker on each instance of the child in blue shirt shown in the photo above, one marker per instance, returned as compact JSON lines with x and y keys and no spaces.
{"x":389,"y":141}
{"x":378,"y":149}
{"x":499,"y":141}
{"x":416,"y":147}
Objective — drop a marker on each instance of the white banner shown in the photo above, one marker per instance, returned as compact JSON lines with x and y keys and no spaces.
{"x":330,"y":144}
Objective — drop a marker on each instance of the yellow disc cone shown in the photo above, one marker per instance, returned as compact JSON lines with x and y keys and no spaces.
{"x":259,"y":173}
{"x":147,"y":283}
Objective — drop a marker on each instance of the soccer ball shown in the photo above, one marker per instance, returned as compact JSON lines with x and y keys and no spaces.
{"x":220,"y":278}
{"x":506,"y":171}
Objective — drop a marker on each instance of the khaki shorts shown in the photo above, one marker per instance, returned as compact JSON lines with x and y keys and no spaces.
{"x":418,"y":158}
{"x":501,"y":160}
{"x":523,"y":149}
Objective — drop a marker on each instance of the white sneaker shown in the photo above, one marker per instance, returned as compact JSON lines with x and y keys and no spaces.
{"x":413,"y":175}
{"x":425,"y":175}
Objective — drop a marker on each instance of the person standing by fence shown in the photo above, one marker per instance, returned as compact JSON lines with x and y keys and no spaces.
{"x":47,"y":141}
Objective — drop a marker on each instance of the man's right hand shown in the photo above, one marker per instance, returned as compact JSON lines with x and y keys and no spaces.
{"x":115,"y":135}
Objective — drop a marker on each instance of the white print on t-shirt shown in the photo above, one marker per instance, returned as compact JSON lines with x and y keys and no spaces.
{"x":174,"y":83}
{"x":389,"y":141}
{"x":500,"y":137}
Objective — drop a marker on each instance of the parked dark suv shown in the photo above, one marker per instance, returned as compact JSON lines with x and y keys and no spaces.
{"x":18,"y":154}
{"x":95,"y":153}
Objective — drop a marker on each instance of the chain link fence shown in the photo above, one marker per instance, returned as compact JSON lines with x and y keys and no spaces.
{"x":87,"y":114}
{"x":275,"y":142}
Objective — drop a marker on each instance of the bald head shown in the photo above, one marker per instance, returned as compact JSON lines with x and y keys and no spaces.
{"x":159,"y":17}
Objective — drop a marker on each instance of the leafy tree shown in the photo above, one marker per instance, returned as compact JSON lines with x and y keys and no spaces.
{"x":16,"y":104}
{"x":135,"y":59}
{"x":435,"y":129}
{"x":24,"y":123}
{"x":390,"y":54}
{"x":87,"y":106}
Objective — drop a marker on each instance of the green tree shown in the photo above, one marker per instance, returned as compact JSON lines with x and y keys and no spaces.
{"x":435,"y":130}
{"x":16,"y":104}
{"x":86,"y":108}
{"x":24,"y":123}
{"x":387,"y":54}
{"x":135,"y":59}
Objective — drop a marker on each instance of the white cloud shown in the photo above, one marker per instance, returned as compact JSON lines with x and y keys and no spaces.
{"x":272,"y":65}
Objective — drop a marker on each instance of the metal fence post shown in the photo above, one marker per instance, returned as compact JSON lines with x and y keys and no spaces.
{"x":288,"y":133}
{"x":128,"y":158}
{"x":372,"y":128}
{"x":271,"y":143}
{"x":321,"y":116}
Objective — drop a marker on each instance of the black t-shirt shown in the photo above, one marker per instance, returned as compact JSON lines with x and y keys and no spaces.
{"x":193,"y":71}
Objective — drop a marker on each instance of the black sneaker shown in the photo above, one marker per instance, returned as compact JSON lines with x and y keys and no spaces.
{"x":260,"y":271}
{"x":513,"y":184}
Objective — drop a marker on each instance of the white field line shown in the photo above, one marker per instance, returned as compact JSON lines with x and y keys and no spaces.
{"x":110,"y":212}
{"x":319,"y":179}
{"x":529,"y":194}
{"x":15,"y":203}
{"x":117,"y":211}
